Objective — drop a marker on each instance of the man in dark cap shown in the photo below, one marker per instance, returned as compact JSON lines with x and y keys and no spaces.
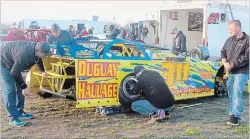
{"x":17,"y":56}
{"x":59,"y":36}
{"x":114,"y":32}
{"x":179,"y":42}
{"x":71,"y":30}
{"x":157,"y":97}
{"x":91,"y":30}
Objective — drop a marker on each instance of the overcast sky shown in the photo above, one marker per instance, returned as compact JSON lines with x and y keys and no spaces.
{"x":123,"y":11}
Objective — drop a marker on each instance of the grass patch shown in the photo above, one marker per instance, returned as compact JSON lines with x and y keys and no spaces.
{"x":184,"y":124}
{"x":85,"y":126}
{"x":226,"y":138}
{"x":201,"y":137}
{"x":242,"y":129}
{"x":192,"y":131}
{"x":4,"y":129}
{"x":150,"y":136}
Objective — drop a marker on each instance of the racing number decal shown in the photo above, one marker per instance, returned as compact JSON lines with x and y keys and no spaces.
{"x":175,"y":72}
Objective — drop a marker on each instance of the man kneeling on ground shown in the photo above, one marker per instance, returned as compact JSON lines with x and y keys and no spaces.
{"x":157,"y":97}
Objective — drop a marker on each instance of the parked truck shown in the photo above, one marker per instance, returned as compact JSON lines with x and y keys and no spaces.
{"x":204,"y":24}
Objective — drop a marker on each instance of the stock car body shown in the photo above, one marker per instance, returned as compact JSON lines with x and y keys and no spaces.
{"x":100,"y":72}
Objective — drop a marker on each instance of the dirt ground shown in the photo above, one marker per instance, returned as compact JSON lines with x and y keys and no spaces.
{"x":57,"y":118}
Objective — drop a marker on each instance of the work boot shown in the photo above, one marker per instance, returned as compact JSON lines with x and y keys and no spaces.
{"x":25,"y":115}
{"x":16,"y":122}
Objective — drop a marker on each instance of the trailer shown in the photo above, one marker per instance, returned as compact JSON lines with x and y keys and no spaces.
{"x":203,"y":24}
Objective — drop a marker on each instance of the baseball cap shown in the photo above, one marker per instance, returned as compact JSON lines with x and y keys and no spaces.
{"x":55,"y":27}
{"x":173,"y":30}
{"x":45,"y":48}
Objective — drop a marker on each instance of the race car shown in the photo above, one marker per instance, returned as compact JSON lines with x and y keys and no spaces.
{"x":100,"y":72}
{"x":27,"y":34}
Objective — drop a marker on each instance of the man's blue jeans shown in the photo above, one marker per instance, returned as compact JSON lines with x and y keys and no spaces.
{"x":12,"y":94}
{"x":145,"y":108}
{"x":235,"y":87}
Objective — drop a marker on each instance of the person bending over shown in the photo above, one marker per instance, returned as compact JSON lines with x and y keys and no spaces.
{"x":157,"y":97}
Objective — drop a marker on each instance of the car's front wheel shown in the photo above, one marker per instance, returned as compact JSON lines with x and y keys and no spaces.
{"x":126,"y":95}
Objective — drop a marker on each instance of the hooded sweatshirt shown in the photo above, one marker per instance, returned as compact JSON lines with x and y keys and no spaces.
{"x":153,"y":88}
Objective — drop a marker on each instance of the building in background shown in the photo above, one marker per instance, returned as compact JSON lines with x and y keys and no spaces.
{"x":64,"y":24}
{"x":203,"y":24}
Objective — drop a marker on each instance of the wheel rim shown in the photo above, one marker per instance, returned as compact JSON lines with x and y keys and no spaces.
{"x":128,"y":84}
{"x":195,"y":54}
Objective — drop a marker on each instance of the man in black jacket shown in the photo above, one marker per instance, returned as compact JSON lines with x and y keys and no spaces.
{"x":155,"y":91}
{"x":235,"y":58}
{"x":17,"y":56}
{"x":179,"y":42}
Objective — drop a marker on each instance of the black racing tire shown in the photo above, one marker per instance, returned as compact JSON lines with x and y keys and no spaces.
{"x":220,"y":88}
{"x":125,"y":97}
{"x":200,"y":52}
{"x":44,"y":95}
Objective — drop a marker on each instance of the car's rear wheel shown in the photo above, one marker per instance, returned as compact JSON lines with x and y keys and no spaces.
{"x":126,"y":95}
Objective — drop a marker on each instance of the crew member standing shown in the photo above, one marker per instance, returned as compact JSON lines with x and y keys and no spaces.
{"x":179,"y":42}
{"x":91,"y":30}
{"x":235,"y":58}
{"x":71,"y":30}
{"x":84,"y":31}
{"x":59,"y":36}
{"x":144,"y":33}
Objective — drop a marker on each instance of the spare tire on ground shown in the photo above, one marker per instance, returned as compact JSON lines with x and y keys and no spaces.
{"x":126,"y":96}
{"x":200,"y":52}
{"x":44,"y":94}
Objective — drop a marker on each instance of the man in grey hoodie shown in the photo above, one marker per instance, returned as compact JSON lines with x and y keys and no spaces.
{"x":17,"y":56}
